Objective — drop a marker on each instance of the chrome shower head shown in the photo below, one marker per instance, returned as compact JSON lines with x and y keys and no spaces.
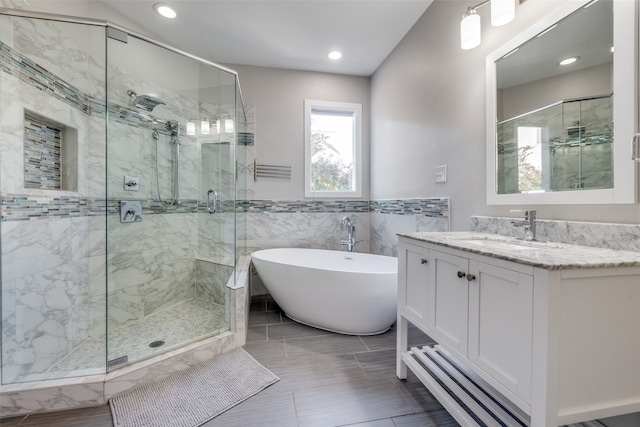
{"x":144,"y":102}
{"x":147,"y":102}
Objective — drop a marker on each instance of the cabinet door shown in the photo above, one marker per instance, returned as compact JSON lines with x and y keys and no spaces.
{"x":413,"y":278}
{"x":448,"y":301}
{"x":501,"y":325}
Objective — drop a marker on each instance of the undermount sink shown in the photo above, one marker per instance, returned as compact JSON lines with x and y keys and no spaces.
{"x":507,"y":243}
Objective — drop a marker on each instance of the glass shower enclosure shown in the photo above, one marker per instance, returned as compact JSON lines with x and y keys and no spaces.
{"x":118,"y":189}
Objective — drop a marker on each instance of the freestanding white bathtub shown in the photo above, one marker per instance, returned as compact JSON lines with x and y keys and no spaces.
{"x":345,"y":292}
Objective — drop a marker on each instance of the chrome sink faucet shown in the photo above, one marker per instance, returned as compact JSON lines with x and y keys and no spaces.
{"x":529,"y":224}
{"x":350,"y":242}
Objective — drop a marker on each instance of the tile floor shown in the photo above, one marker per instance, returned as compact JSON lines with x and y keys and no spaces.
{"x":326,"y":380}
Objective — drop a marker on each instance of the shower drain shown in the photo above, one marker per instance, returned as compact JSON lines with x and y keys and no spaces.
{"x":156,"y":344}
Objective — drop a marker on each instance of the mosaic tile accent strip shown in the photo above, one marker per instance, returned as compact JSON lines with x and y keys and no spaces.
{"x":42,"y":147}
{"x":155,"y":207}
{"x":31,"y":73}
{"x":21,"y":207}
{"x":18,"y":207}
{"x":246,"y":138}
{"x":5,"y":58}
{"x":431,"y":207}
{"x":152,"y":207}
{"x":222,"y":206}
{"x":302,"y":206}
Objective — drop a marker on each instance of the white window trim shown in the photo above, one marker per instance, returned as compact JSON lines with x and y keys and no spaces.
{"x":310,"y":105}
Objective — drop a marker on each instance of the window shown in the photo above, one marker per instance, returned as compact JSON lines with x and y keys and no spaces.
{"x":333,"y":149}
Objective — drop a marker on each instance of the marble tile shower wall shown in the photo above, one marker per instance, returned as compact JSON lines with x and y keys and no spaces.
{"x":48,"y":264}
{"x":53,"y":252}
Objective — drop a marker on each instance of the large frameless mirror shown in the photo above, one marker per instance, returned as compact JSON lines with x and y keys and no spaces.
{"x":558,"y":96}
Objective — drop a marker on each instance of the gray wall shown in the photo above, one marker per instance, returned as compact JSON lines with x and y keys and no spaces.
{"x":428,"y":109}
{"x":278,"y":96}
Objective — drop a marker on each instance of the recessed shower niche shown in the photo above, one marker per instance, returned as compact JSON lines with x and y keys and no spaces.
{"x":50,"y":154}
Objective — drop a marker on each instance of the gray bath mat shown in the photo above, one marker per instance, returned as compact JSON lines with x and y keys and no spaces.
{"x":194,"y":396}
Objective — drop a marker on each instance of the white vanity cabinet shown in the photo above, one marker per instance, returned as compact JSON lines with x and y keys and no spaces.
{"x":557,"y":345}
{"x":501,"y":324}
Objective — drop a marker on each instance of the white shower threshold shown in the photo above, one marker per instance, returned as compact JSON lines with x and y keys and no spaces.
{"x":94,"y":390}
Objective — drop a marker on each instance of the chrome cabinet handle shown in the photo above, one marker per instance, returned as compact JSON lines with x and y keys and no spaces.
{"x":471,"y":277}
{"x":635,"y":147}
{"x":210,"y":208}
{"x":461,"y":274}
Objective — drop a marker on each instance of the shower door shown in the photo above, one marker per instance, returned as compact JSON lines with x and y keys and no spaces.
{"x":52,"y":141}
{"x":217,"y":218}
{"x":170,"y":227}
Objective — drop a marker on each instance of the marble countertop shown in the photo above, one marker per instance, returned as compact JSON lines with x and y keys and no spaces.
{"x":547,"y":255}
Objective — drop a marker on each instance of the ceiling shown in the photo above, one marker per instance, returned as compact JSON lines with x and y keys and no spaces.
{"x":587,"y":34}
{"x":293,"y":34}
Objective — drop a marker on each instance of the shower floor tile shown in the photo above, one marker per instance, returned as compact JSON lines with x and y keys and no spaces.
{"x":176,"y":325}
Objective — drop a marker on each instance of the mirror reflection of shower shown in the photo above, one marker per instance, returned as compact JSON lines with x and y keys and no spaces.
{"x":148,"y":103}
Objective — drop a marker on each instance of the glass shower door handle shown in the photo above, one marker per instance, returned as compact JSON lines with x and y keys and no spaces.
{"x":211,"y":205}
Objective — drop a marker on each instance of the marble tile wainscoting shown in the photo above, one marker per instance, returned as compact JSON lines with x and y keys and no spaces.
{"x":316,"y":223}
{"x":303,"y":223}
{"x":389,"y":217}
{"x":624,"y":237}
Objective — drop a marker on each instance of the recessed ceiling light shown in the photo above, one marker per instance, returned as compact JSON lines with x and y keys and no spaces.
{"x":569,"y":60}
{"x":165,"y":10}
{"x":335,"y":55}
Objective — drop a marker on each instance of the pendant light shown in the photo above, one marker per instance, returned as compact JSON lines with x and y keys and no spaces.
{"x":470,"y":30}
{"x":502,"y":12}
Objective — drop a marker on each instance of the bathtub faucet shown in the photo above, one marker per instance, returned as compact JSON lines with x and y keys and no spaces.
{"x":350,"y":242}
